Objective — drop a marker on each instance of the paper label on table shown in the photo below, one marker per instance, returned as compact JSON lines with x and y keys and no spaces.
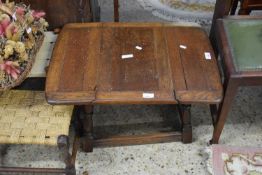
{"x":148,"y":95}
{"x":29,"y":30}
{"x":127,"y":56}
{"x":139,"y":48}
{"x":182,"y":46}
{"x":208,"y":56}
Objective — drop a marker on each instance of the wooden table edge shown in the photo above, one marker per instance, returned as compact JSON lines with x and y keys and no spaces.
{"x":132,"y":24}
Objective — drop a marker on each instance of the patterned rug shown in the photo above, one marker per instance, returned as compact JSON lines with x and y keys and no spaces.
{"x":226,"y":160}
{"x":199,"y":11}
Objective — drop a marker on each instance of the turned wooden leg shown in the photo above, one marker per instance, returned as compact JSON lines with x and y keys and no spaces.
{"x":86,"y":114}
{"x":213,"y":111}
{"x":63,"y":145}
{"x":116,"y":10}
{"x":230,"y":90}
{"x":185,"y":116}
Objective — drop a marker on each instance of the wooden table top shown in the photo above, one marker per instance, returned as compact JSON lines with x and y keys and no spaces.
{"x":167,"y":65}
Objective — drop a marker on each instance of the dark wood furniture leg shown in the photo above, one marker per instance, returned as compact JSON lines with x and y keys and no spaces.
{"x":63,"y":145}
{"x":230,"y":90}
{"x":86,"y":120}
{"x":116,"y":10}
{"x":213,"y":111}
{"x":95,"y":9}
{"x":234,"y":7}
{"x":185,"y":116}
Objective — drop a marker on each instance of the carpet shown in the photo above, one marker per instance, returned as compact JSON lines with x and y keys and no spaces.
{"x":200,"y":11}
{"x":228,"y":160}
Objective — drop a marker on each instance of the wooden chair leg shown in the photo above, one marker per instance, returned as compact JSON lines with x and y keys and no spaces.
{"x":230,"y":90}
{"x":185,"y":115}
{"x":213,"y":111}
{"x":63,"y":145}
{"x":116,"y":10}
{"x":234,"y":7}
{"x":86,"y":121}
{"x":95,"y":9}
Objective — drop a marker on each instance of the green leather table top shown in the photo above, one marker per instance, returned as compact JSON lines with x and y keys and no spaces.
{"x":245,"y":40}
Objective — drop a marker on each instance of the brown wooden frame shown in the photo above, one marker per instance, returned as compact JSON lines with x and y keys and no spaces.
{"x":233,"y":78}
{"x":88,"y":140}
{"x":69,"y":160}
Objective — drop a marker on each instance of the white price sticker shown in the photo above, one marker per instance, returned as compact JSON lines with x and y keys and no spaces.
{"x":182,"y":46}
{"x":127,"y":56}
{"x":208,"y":56}
{"x":139,"y":48}
{"x":148,"y":95}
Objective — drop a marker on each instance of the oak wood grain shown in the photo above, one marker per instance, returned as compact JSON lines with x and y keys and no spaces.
{"x":88,"y":58}
{"x":138,"y":139}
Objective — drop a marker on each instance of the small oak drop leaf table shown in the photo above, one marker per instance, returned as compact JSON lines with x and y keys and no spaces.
{"x":133,"y":63}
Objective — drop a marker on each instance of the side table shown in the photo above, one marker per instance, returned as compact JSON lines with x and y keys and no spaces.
{"x":240,"y":43}
{"x":133,"y":63}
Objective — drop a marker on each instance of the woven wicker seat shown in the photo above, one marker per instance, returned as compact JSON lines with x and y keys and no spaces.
{"x":26,"y":118}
